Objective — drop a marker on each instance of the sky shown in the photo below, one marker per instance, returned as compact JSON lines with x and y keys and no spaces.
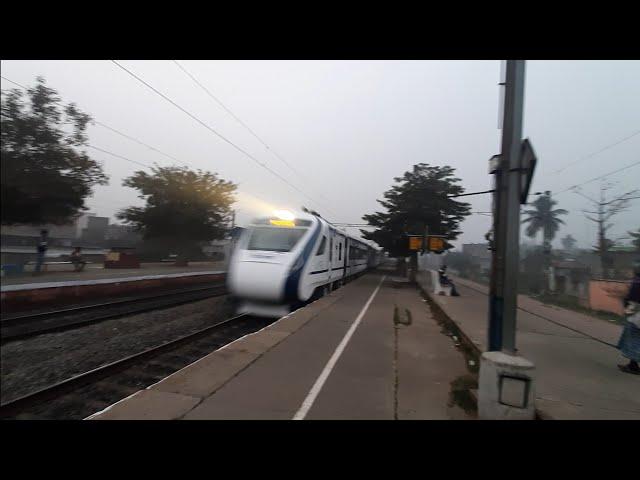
{"x":345,"y":129}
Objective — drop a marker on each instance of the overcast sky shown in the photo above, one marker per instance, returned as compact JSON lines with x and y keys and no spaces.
{"x":349,"y":127}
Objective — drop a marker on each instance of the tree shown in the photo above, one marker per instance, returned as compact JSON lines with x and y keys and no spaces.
{"x":635,"y":239}
{"x":46,"y":175}
{"x":604,"y":211}
{"x":183,"y":207}
{"x":421,"y":199}
{"x":544,"y":218}
{"x":568,"y":242}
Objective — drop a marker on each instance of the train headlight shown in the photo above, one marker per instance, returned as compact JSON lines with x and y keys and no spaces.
{"x":284,"y":215}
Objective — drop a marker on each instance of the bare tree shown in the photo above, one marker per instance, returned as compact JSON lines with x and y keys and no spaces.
{"x":605,"y":210}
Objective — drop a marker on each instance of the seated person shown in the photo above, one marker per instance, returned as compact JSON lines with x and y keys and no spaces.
{"x":446,"y":281}
{"x":77,"y":260}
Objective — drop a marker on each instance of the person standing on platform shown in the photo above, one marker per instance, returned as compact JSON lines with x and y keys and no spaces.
{"x":41,"y":250}
{"x":629,"y":343}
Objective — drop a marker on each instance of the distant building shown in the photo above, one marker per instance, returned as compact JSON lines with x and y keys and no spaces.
{"x":95,"y":231}
{"x":222,"y":249}
{"x":122,"y":236}
{"x":18,"y":242}
{"x":28,"y":235}
{"x":479,"y":253}
{"x":571,"y":277}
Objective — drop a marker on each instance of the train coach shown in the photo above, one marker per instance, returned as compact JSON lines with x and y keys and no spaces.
{"x":285,"y":260}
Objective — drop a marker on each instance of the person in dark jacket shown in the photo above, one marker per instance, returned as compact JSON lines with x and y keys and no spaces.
{"x":629,"y":343}
{"x":41,"y":250}
{"x":446,"y":281}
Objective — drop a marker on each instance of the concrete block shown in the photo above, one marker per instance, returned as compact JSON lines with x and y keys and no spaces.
{"x":148,"y":405}
{"x":506,"y":387}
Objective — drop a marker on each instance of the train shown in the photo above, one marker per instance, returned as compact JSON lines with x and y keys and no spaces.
{"x":283,"y":261}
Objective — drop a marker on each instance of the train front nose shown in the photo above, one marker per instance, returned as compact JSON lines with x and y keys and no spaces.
{"x":258,"y":280}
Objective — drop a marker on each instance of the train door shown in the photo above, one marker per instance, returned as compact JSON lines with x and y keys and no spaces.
{"x":330,"y":254}
{"x":320,"y":259}
{"x":346,"y":257}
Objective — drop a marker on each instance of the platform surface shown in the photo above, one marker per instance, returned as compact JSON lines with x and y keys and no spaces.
{"x":344,"y":357}
{"x":575,"y":355}
{"x":98,"y":272}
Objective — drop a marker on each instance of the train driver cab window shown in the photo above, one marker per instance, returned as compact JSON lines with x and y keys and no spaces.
{"x":275,"y":239}
{"x":340,"y":252}
{"x":322,"y":246}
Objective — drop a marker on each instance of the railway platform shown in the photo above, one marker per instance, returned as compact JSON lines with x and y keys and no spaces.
{"x":369,"y":350}
{"x":98,"y":272}
{"x":59,"y":290}
{"x":575,"y":355}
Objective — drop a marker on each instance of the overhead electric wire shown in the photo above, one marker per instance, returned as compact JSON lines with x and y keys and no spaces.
{"x":472,"y":193}
{"x":597,"y":152}
{"x":141,"y":143}
{"x":254,"y":134}
{"x":119,"y":156}
{"x":11,"y":81}
{"x":117,"y":131}
{"x":212,"y":130}
{"x":125,"y":136}
{"x":597,"y":178}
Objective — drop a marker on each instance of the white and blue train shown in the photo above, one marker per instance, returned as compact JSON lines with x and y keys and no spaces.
{"x":284,"y":261}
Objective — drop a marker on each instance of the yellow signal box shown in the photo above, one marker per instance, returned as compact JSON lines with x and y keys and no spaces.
{"x":415,"y":243}
{"x":435,"y":244}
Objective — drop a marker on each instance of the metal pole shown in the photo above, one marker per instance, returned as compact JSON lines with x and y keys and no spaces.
{"x":505,"y":267}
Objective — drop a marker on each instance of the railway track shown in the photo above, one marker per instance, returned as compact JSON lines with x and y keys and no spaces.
{"x":27,"y":325}
{"x":84,"y":394}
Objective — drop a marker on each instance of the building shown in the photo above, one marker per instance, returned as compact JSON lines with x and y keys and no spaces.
{"x":95,"y":231}
{"x":479,"y":253}
{"x":222,"y":249}
{"x":570,"y":277}
{"x":18,"y":242}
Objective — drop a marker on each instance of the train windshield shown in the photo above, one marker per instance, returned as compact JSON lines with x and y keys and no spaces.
{"x":274,"y":239}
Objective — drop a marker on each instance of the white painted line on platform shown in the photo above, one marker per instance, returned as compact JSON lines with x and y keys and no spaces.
{"x":100,"y":281}
{"x":315,"y":390}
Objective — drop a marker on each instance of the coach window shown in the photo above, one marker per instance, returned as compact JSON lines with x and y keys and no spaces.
{"x":322,"y":246}
{"x":340,"y":252}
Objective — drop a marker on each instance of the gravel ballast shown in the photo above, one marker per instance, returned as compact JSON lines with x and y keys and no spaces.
{"x":34,"y":363}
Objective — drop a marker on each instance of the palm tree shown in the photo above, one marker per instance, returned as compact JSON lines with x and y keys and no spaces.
{"x":544,"y":218}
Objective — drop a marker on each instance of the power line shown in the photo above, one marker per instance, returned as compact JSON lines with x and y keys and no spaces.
{"x":15,"y":83}
{"x":597,"y":152}
{"x":359,"y":225}
{"x":119,"y":156}
{"x":597,"y":178}
{"x":214,"y":131}
{"x":125,"y":136}
{"x":118,"y":132}
{"x":141,"y":143}
{"x":255,"y":135}
{"x":472,"y":193}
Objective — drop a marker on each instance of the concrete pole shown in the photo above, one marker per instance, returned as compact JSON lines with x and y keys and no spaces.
{"x":506,"y":385}
{"x":503,"y":291}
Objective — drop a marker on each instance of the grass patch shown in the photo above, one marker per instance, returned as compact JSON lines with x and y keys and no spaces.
{"x":460,"y":394}
{"x":401,"y":317}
